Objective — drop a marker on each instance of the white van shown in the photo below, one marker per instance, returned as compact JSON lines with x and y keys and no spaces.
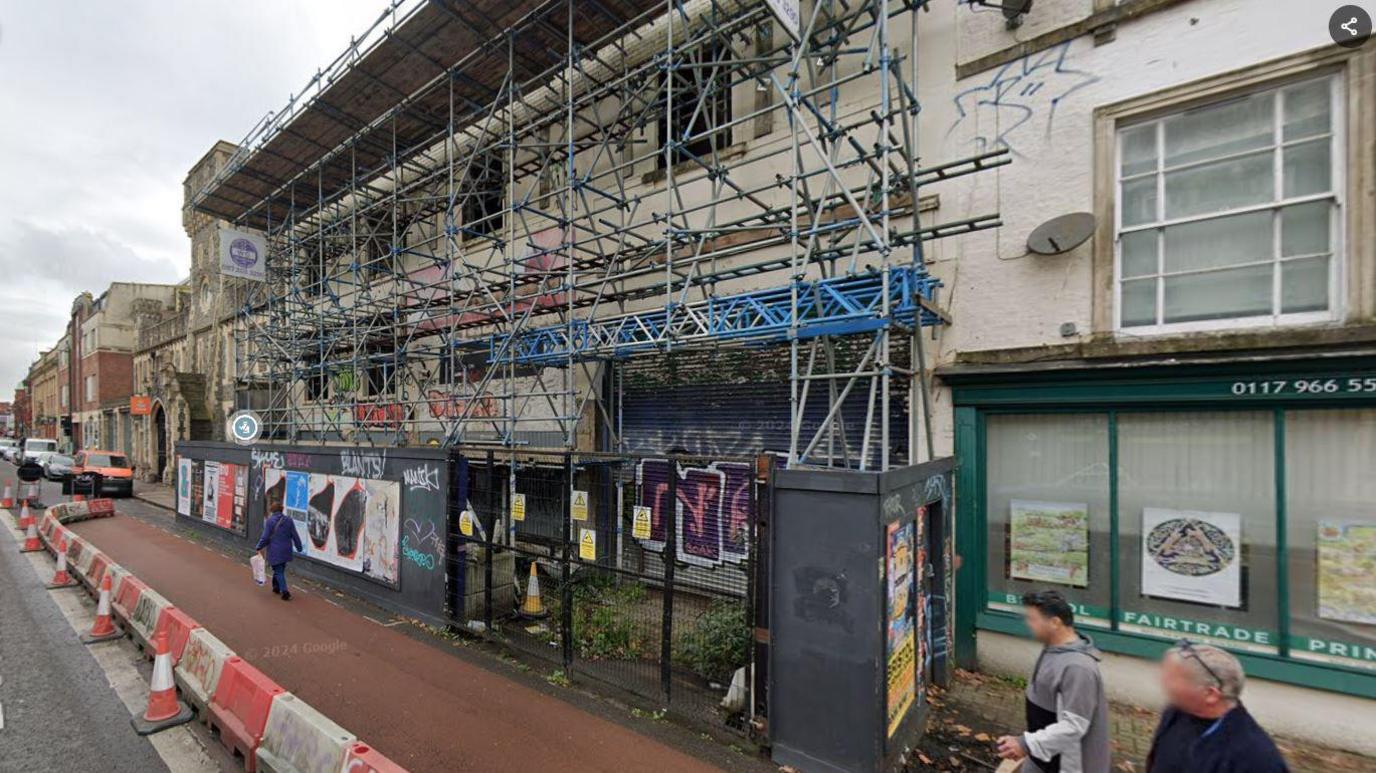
{"x":35,"y":449}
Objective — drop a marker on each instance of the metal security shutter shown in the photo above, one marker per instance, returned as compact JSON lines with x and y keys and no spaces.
{"x":735,"y":403}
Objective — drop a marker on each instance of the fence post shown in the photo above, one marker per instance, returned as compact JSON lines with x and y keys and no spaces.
{"x":566,"y":588}
{"x":487,"y":533}
{"x":666,"y":644}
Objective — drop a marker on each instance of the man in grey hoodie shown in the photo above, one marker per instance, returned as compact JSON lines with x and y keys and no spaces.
{"x":1067,"y":713}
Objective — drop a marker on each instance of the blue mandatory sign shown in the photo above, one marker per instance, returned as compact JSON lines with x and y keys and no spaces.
{"x":246,"y":427}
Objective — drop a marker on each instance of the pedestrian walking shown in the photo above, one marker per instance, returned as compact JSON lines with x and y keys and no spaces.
{"x":1067,"y":713}
{"x":1205,"y":728}
{"x":276,"y":544}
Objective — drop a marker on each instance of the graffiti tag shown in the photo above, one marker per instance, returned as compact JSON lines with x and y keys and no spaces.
{"x":299,"y":461}
{"x":712,"y":510}
{"x":1018,"y":91}
{"x":418,"y":557}
{"x":422,"y":478}
{"x":358,"y":463}
{"x":271,"y":459}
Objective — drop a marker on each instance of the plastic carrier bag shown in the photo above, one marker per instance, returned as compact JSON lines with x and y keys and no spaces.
{"x":260,"y":569}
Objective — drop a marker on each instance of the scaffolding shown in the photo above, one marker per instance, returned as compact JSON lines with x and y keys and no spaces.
{"x":480,"y":209}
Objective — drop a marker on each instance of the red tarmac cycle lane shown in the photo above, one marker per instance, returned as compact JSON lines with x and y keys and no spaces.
{"x":424,"y":708}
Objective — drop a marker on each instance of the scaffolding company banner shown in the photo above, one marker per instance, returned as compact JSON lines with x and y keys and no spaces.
{"x":1049,"y":542}
{"x":1347,"y":572}
{"x":351,"y":523}
{"x":243,"y":254}
{"x":788,"y":14}
{"x":1192,"y":556}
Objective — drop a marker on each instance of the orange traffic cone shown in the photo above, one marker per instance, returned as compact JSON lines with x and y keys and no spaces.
{"x":164,"y":710}
{"x":8,"y":499}
{"x":103,"y":629}
{"x":31,"y":543}
{"x":60,"y":577}
{"x":25,"y":517}
{"x":532,"y":607}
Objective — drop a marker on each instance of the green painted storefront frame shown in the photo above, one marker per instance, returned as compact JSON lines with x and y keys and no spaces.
{"x":1154,"y":388}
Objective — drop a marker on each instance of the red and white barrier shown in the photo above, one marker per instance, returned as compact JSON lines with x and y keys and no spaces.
{"x":198,"y":672}
{"x":299,"y":738}
{"x":239,"y":708}
{"x":143,"y":622}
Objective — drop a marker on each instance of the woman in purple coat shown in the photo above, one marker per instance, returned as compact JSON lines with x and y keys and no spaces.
{"x":279,"y":537}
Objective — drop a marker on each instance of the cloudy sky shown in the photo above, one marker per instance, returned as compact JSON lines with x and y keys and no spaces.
{"x":104,"y":107}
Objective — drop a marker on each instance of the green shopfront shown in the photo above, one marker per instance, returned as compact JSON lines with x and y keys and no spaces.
{"x":1229,"y":503}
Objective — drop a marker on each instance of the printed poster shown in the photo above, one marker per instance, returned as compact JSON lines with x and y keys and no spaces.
{"x":209,"y":490}
{"x":901,"y":640}
{"x":224,"y":497}
{"x":1192,"y":556}
{"x":197,"y":488}
{"x":1049,"y":542}
{"x":184,"y":476}
{"x":350,"y":523}
{"x":1347,"y":572}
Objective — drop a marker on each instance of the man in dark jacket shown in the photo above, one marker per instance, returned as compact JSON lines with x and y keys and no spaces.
{"x":1067,"y":713}
{"x":1205,"y":728}
{"x":279,"y":537}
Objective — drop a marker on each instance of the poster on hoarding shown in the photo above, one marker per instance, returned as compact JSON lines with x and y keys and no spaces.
{"x":184,"y":486}
{"x":1192,"y":556}
{"x":197,"y":488}
{"x":1049,"y":542}
{"x":350,"y":523}
{"x":900,"y":644}
{"x":1347,"y":572}
{"x":210,"y":488}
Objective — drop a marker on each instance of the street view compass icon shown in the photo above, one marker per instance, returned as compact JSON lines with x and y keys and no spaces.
{"x":245,"y":427}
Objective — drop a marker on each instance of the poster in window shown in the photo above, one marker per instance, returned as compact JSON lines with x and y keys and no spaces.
{"x":900,"y":641}
{"x":1347,"y":572}
{"x":184,"y":475}
{"x":1192,"y":556}
{"x":1049,"y":542}
{"x":350,"y":523}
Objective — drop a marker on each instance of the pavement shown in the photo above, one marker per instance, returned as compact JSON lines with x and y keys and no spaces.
{"x":426,"y":708}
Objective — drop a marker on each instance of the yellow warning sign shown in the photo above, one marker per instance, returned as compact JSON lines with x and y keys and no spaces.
{"x":587,"y":544}
{"x":580,"y":505}
{"x":466,"y":523}
{"x":518,"y":507}
{"x":640,"y":527}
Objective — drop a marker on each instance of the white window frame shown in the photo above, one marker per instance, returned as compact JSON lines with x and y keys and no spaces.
{"x":1337,"y":157}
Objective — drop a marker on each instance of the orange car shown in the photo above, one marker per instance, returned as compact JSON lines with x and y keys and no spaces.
{"x":114,"y":473}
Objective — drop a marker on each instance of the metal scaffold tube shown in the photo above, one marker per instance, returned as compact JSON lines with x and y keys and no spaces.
{"x":592,"y":185}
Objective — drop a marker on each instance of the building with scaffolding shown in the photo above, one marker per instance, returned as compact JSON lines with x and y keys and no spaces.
{"x":614,"y":225}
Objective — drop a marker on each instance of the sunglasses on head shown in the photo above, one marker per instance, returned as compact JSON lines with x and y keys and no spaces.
{"x":1186,"y":649}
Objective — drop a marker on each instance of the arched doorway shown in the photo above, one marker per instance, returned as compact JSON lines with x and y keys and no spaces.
{"x":160,"y":433}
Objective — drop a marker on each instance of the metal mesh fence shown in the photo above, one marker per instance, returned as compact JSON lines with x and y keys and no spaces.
{"x":637,"y":571}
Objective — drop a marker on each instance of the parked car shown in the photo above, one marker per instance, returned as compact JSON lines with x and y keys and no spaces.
{"x":57,"y":466}
{"x":35,"y":448}
{"x":114,"y":474}
{"x":8,"y":446}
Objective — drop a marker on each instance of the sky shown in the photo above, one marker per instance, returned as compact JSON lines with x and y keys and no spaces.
{"x":104,"y":107}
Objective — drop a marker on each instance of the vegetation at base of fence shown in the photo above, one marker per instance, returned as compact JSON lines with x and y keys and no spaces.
{"x":608,"y":620}
{"x":718,"y":642}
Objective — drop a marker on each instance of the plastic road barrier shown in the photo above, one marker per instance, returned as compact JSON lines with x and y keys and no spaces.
{"x":75,"y":547}
{"x":100,"y":564}
{"x":83,"y":561}
{"x":127,"y":595}
{"x":299,"y":739}
{"x":199,"y":669}
{"x":178,"y":626}
{"x":362,"y":758}
{"x":144,"y":619}
{"x":239,"y":708}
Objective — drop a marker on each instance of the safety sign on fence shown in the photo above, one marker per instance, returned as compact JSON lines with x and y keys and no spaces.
{"x":466,"y":523}
{"x":579,"y":505}
{"x":518,"y":507}
{"x":587,"y":545}
{"x":640,"y":525}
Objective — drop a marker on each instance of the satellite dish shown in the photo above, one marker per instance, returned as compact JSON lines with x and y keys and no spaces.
{"x":1061,"y":234}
